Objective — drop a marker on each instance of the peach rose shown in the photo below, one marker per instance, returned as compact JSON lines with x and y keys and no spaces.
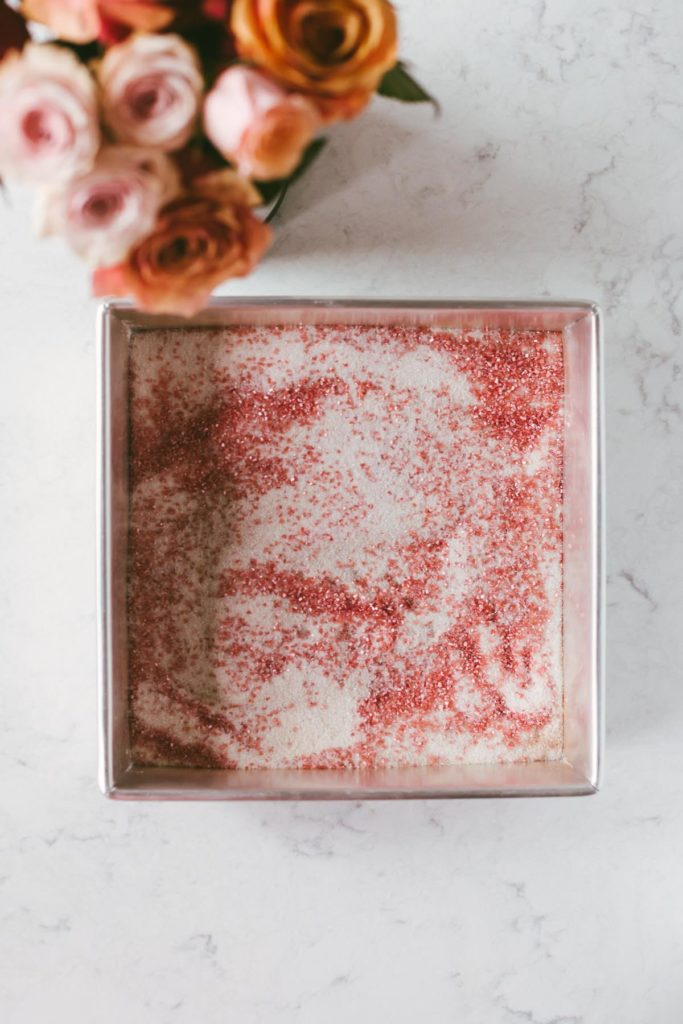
{"x":81,"y":21}
{"x":103,"y":213}
{"x":48,"y":113}
{"x":256,"y":125}
{"x":151,"y":91}
{"x":200,"y":239}
{"x":336,"y":50}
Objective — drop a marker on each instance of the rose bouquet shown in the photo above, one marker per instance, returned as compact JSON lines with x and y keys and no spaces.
{"x":159,"y":133}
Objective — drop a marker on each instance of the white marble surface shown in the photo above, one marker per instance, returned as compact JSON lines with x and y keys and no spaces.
{"x":555,"y":170}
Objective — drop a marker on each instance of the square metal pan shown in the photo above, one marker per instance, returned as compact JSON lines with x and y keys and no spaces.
{"x":578,"y":771}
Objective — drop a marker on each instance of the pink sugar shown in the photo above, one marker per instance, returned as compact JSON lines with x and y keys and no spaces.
{"x":345,"y":547}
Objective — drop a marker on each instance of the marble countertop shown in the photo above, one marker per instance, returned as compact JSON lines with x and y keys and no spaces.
{"x":554,"y":171}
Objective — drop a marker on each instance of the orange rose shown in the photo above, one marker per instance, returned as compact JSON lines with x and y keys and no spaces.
{"x":200,"y":240}
{"x":335,"y":50}
{"x":81,"y":21}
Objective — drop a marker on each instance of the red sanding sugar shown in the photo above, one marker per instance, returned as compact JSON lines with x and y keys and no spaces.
{"x":345,"y":546}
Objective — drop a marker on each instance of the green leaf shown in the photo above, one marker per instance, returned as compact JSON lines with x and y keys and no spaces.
{"x":85,"y":52}
{"x":275,"y":191}
{"x":399,"y":84}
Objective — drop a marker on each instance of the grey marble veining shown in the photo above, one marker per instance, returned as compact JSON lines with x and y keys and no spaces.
{"x":554,"y":171}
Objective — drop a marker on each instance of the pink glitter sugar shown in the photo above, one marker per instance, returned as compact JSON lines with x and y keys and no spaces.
{"x":345,"y":547}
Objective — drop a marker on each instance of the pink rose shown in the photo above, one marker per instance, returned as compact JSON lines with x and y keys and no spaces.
{"x":103,"y":213}
{"x":151,"y":91}
{"x":48,"y":114}
{"x":257,"y":125}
